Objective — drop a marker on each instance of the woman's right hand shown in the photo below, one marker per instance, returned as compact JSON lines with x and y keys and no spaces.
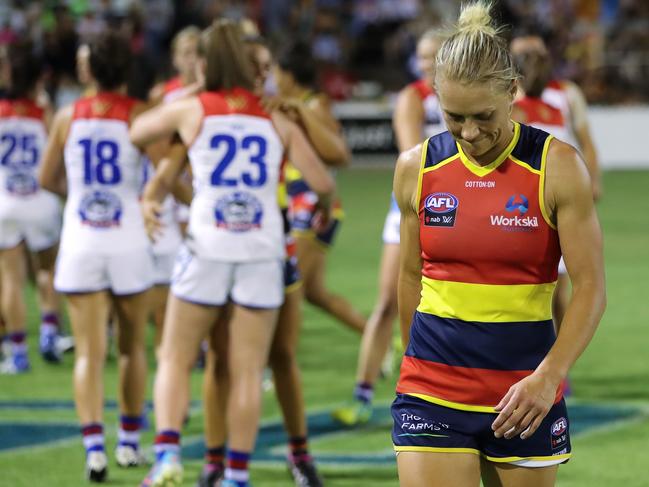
{"x":151,"y":211}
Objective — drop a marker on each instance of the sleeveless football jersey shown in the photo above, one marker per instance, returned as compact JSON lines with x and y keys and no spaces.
{"x":23,"y":136}
{"x":490,"y":256}
{"x":102,"y":212}
{"x":544,"y":116}
{"x":556,"y":95}
{"x":433,"y":118}
{"x":236,"y":161}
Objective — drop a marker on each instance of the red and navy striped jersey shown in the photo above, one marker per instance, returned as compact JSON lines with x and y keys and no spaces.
{"x":490,"y":256}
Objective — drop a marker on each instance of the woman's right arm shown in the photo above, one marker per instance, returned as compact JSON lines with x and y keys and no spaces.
{"x":163,"y":182}
{"x":408,"y":119}
{"x":52,"y":172}
{"x":406,"y":178}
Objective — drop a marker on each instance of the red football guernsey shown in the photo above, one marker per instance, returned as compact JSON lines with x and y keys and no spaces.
{"x":490,"y":256}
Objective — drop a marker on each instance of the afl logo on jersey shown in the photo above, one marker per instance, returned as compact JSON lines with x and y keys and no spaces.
{"x":238,"y":212}
{"x":440,"y":210}
{"x":100,"y":209}
{"x":21,"y":184}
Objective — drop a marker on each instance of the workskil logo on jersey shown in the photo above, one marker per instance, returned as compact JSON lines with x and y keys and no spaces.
{"x":514,"y":218}
{"x":440,"y":210}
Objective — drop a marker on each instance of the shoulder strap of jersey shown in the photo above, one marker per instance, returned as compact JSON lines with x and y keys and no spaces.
{"x":530,"y":146}
{"x":21,"y":108}
{"x":231,"y":102}
{"x":108,"y":106}
{"x":440,"y":148}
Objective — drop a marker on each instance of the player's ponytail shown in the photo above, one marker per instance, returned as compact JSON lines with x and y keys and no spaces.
{"x":475,"y":52}
{"x":228,"y":63}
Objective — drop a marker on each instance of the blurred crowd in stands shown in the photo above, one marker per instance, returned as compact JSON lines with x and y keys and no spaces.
{"x":364,"y":48}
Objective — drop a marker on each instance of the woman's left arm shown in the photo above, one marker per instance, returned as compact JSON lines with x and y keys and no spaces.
{"x":569,"y":200}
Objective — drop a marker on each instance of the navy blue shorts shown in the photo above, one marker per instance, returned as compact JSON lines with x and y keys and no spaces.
{"x":291,"y":274}
{"x":421,"y":426}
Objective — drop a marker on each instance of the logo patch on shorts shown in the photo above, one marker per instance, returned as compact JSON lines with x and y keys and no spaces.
{"x":100,"y":209}
{"x":559,"y":430}
{"x":440,"y":210}
{"x":238,"y":212}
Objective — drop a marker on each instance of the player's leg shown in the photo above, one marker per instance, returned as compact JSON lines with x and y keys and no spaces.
{"x":13,"y":275}
{"x":312,"y":260}
{"x":429,"y":469}
{"x":215,"y":397}
{"x":257,"y":294}
{"x":507,"y":475}
{"x":158,"y":295}
{"x":186,"y":324}
{"x":132,"y":311}
{"x":88,"y":316}
{"x":49,"y":302}
{"x":376,"y":340}
{"x":288,"y":386}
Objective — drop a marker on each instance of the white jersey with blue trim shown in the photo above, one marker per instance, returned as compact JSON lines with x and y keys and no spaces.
{"x":236,"y":161}
{"x":22,"y":139}
{"x":104,"y":173}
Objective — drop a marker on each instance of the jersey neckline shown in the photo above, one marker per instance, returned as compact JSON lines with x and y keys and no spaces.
{"x":482,"y":171}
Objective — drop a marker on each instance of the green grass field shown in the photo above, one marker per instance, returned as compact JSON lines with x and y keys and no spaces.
{"x":613,"y":373}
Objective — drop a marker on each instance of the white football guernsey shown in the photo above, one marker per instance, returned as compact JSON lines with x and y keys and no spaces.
{"x":102,"y":213}
{"x":236,"y":161}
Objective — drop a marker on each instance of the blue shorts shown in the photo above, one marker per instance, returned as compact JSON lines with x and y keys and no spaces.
{"x":291,"y":274}
{"x":421,"y":426}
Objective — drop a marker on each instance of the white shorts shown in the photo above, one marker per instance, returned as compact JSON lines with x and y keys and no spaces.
{"x":38,"y":235}
{"x":163,"y":267}
{"x":213,"y":283}
{"x":391,"y":227}
{"x":562,"y":267}
{"x":122,"y":274}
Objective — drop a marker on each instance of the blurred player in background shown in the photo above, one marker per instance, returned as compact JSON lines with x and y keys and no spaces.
{"x":295,"y":76}
{"x":235,"y":244}
{"x":174,"y":213}
{"x":105,"y":257}
{"x":565,"y":104}
{"x":283,"y":352}
{"x":484,"y":207}
{"x":417,"y":115}
{"x":28,"y":214}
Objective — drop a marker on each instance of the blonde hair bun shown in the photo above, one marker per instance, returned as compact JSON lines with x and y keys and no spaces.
{"x":476,"y":17}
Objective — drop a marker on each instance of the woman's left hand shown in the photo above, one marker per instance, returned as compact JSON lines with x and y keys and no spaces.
{"x":524,"y":406}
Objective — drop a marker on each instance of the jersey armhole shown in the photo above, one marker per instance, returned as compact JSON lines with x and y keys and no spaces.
{"x":542,"y":204}
{"x":424,"y":153}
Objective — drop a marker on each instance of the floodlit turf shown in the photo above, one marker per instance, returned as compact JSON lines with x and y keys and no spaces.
{"x":615,"y":370}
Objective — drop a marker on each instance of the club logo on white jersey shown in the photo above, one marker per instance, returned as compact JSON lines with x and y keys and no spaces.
{"x":440,"y":210}
{"x":238,"y":212}
{"x":21,"y":183}
{"x":100,"y":209}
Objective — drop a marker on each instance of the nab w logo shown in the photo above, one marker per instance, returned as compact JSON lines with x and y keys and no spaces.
{"x":441,"y":202}
{"x":522,"y":206}
{"x":440,"y":210}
